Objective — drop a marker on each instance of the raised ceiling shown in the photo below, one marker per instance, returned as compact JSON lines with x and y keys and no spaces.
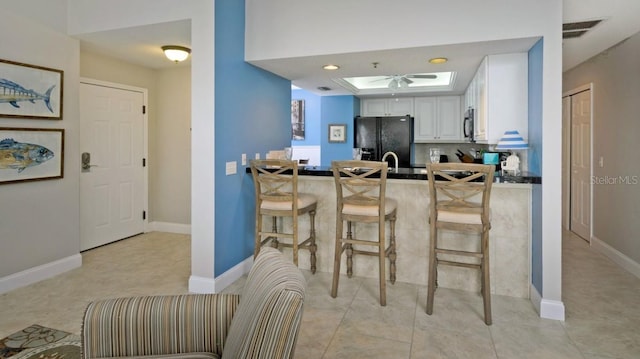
{"x":141,"y":45}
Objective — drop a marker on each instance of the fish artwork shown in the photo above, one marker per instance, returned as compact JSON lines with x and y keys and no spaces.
{"x":18,"y":155}
{"x":12,"y":93}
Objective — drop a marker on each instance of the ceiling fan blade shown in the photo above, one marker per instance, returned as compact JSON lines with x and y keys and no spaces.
{"x":429,"y":76}
{"x":382,"y":79}
{"x":406,"y":80}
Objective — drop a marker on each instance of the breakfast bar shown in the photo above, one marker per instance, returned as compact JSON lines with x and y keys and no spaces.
{"x":509,"y":243}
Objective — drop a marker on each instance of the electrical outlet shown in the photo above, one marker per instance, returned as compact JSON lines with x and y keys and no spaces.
{"x":244,"y":159}
{"x":231,"y":168}
{"x":257,"y":156}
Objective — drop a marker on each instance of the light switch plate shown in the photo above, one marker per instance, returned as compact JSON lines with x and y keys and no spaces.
{"x":257,"y":155}
{"x":231,"y":168}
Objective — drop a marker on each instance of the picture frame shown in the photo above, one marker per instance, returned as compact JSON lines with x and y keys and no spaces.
{"x":30,"y":154}
{"x":297,"y":120}
{"x":337,"y":133}
{"x":30,"y":91}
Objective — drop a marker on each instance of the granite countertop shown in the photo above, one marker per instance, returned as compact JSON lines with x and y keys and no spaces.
{"x":417,"y":174}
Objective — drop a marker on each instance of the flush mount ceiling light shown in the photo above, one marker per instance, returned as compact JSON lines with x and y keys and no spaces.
{"x":438,"y":60}
{"x":330,"y":67}
{"x":176,"y":53}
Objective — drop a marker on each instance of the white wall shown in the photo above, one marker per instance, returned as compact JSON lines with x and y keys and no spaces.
{"x":616,"y":84}
{"x":170,"y":168}
{"x":39,"y":220}
{"x":370,"y":25}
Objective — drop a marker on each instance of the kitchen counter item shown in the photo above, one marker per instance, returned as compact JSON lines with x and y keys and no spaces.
{"x":464,"y":157}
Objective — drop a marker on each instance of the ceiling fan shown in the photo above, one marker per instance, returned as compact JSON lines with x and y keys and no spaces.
{"x":403,"y":81}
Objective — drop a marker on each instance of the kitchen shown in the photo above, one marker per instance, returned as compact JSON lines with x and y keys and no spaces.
{"x":424,"y":123}
{"x":497,"y":91}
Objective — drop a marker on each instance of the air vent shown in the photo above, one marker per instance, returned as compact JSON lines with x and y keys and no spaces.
{"x":572,"y":30}
{"x":324,"y":88}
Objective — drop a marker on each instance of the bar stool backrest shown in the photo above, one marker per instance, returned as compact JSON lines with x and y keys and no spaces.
{"x":360,"y":183}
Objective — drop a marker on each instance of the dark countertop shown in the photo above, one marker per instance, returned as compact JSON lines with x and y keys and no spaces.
{"x":415,"y":174}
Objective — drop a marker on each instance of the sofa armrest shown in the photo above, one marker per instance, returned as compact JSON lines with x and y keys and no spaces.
{"x":157,"y":325}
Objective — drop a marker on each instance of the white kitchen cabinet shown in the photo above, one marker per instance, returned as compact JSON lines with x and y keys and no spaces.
{"x":501,"y":97}
{"x":438,"y":119}
{"x":399,"y":106}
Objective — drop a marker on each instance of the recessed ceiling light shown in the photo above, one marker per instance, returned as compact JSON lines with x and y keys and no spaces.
{"x":438,"y":60}
{"x":330,"y":67}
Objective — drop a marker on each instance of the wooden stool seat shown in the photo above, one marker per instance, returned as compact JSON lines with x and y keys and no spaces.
{"x":459,"y":194}
{"x":360,"y":191}
{"x":277,"y":196}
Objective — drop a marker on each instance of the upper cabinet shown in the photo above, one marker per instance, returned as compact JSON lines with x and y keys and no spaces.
{"x":499,"y":94}
{"x":438,"y":119}
{"x":400,"y":106}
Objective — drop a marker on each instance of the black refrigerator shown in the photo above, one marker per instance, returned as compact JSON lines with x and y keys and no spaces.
{"x":378,"y":135}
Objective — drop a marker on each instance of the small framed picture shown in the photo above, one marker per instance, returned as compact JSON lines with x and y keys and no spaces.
{"x":337,"y":133}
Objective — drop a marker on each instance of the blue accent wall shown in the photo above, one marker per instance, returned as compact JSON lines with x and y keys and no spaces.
{"x":312,"y":113}
{"x":252,"y":115}
{"x":337,"y":110}
{"x":535,"y":159}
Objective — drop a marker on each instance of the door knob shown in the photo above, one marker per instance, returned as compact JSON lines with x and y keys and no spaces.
{"x":86,"y":162}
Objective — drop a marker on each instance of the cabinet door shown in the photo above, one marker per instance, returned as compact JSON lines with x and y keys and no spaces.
{"x":425,"y":119}
{"x":449,"y":118}
{"x":374,"y":107}
{"x":480,"y":126}
{"x":400,"y":106}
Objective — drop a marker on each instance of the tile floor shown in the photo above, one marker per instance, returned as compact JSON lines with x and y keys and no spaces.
{"x":602,"y":308}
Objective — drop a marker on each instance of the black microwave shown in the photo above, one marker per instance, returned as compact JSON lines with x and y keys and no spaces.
{"x":467,"y":125}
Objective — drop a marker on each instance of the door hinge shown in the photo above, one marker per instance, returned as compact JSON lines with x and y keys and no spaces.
{"x":144,"y":109}
{"x":144,"y":162}
{"x":144,"y":215}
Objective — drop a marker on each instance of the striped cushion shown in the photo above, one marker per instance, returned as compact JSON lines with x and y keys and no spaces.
{"x":157,"y":325}
{"x":390,"y":205}
{"x":304,"y":200}
{"x":268,"y":318}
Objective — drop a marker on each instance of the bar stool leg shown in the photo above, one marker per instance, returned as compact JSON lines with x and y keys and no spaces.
{"x":274,"y":229}
{"x":258,"y":234}
{"x":337,"y":258}
{"x":312,"y":244}
{"x":382,"y":262}
{"x":349,"y":248}
{"x":392,"y":250}
{"x":431,"y":286}
{"x":486,"y":284}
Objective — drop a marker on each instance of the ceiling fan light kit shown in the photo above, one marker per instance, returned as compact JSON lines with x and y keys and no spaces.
{"x":176,"y":53}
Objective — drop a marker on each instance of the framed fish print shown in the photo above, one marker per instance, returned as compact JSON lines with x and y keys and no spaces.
{"x":30,"y":154}
{"x":29,"y":91}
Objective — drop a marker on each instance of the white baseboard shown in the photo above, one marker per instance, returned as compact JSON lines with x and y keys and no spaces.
{"x":233,"y":274}
{"x":169,"y":227}
{"x":617,"y":257}
{"x":201,"y":285}
{"x":548,"y":309}
{"x":208,"y":285}
{"x":41,"y":272}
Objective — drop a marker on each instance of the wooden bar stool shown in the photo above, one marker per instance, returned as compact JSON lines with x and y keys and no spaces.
{"x":360,"y":190}
{"x":277,"y":196}
{"x":460,"y":194}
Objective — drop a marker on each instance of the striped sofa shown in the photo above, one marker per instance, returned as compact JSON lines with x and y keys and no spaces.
{"x":262,"y":322}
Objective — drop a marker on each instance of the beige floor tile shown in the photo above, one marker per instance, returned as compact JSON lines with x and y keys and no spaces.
{"x":601,"y":302}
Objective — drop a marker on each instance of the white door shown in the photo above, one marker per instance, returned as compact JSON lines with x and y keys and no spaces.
{"x":113,"y":188}
{"x":581,"y":164}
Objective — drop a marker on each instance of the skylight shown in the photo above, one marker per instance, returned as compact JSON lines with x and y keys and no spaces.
{"x":407,"y":82}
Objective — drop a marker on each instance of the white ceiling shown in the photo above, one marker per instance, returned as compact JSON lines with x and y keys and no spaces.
{"x":141,"y":45}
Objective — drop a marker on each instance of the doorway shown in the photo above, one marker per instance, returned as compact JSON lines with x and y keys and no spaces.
{"x":113,"y":178}
{"x":577,"y":119}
